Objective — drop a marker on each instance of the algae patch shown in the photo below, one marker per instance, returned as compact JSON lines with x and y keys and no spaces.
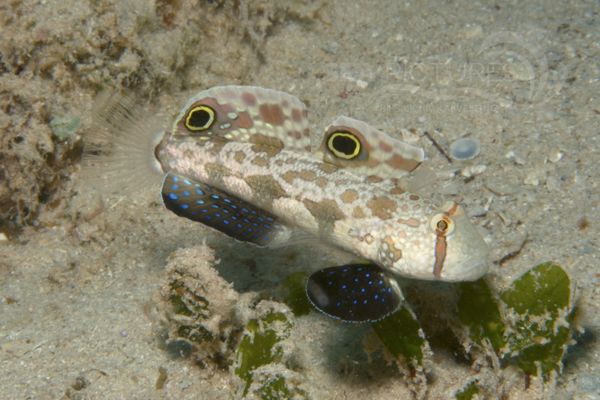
{"x":468,"y":393}
{"x":219,"y":328}
{"x":295,"y":293}
{"x":529,"y":325}
{"x":402,"y":336}
{"x":525,"y":328}
{"x":259,"y":344}
{"x":540,"y":307}
{"x":478,"y":311}
{"x":261,"y":356}
{"x":200,"y":307}
{"x":64,"y":127}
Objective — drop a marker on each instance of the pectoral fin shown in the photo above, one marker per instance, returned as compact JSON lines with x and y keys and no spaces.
{"x":226,"y":213}
{"x":354,"y":292}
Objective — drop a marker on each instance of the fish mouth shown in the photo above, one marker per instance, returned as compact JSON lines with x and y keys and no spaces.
{"x":467,"y":264}
{"x":473,"y":269}
{"x":159,"y":142}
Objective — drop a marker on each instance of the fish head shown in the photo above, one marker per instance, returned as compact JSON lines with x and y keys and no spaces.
{"x":442,"y":244}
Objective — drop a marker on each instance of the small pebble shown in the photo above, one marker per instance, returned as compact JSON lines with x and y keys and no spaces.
{"x":555,"y":156}
{"x":361,"y":84}
{"x":477,"y":211}
{"x":516,"y":158}
{"x":464,"y":149}
{"x":409,"y":137}
{"x":473,"y":170}
{"x":331,"y":47}
{"x":532,"y":179}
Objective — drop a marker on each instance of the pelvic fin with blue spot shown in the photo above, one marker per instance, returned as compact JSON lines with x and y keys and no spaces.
{"x":354,"y":292}
{"x":219,"y":210}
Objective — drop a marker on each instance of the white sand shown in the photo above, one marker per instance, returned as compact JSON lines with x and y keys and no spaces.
{"x":78,"y":293}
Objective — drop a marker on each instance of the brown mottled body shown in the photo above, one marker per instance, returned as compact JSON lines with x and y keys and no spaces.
{"x":331,"y":203}
{"x":254,"y":144}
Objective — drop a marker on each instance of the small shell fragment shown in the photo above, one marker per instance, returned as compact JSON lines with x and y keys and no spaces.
{"x":464,"y":149}
{"x":473,"y":170}
{"x":515,"y":157}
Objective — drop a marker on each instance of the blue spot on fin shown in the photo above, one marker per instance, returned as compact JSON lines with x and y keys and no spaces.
{"x":231,"y":215}
{"x":344,"y":292}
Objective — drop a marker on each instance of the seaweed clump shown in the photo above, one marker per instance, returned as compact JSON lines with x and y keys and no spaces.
{"x":209,"y":322}
{"x":529,"y":325}
{"x":525,"y":328}
{"x":262,"y":357}
{"x":201,"y":318}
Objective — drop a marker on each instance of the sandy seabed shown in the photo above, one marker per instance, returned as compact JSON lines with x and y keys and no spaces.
{"x":81,"y":269}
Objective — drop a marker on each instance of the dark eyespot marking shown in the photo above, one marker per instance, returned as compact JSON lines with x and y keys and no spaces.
{"x":344,"y":145}
{"x":199,"y":118}
{"x":354,"y":292}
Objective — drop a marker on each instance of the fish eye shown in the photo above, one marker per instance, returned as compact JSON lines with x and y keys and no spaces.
{"x":199,"y":118}
{"x":344,"y":145}
{"x":442,"y":224}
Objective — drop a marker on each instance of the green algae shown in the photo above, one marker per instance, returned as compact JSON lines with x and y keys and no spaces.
{"x":195,"y":333}
{"x":186,"y":302}
{"x":64,"y":127}
{"x":294,"y":287}
{"x":179,"y":306}
{"x":478,"y":311}
{"x":467,"y":393}
{"x":271,"y":385}
{"x":402,"y":336}
{"x":259,"y":345}
{"x":544,"y":288}
{"x":540,"y":303}
{"x":530,"y":325}
{"x":274,"y":389}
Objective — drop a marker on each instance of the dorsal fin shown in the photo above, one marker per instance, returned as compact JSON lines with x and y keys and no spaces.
{"x":248,"y":114}
{"x":359,"y":147}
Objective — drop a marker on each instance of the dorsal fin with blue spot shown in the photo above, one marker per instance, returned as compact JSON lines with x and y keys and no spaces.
{"x":354,"y":292}
{"x":219,"y":210}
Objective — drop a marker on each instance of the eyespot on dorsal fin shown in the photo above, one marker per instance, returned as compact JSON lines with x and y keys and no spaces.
{"x":356,"y":145}
{"x":246,"y":114}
